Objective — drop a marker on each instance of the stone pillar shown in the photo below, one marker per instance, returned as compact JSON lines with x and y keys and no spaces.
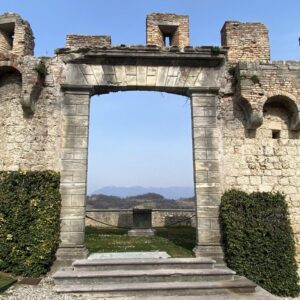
{"x":206,"y":172}
{"x":75,"y":111}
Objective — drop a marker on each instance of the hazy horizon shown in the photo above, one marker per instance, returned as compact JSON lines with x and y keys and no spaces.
{"x":171,"y":192}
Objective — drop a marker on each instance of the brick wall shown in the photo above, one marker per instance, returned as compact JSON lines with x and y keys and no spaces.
{"x":246,"y":41}
{"x":22,"y":41}
{"x":81,"y":41}
{"x":278,"y":77}
{"x":159,"y":25}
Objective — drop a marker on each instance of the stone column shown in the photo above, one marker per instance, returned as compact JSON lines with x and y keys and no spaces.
{"x":206,"y":172}
{"x":75,"y":114}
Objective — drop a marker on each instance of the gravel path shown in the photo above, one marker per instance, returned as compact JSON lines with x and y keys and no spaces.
{"x":42,"y":291}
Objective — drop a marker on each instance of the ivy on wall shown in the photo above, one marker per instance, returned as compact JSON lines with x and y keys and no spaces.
{"x":29,"y":221}
{"x":258,"y":240}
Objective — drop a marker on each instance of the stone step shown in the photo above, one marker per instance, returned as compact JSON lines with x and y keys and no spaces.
{"x":143,"y":264}
{"x":129,"y":276}
{"x":160,"y":289}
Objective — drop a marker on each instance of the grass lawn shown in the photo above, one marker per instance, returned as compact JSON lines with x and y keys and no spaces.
{"x":5,"y":282}
{"x":176,"y":241}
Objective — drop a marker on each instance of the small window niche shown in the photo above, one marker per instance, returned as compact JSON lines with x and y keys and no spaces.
{"x":7,"y":30}
{"x":168,"y":33}
{"x":275,"y":134}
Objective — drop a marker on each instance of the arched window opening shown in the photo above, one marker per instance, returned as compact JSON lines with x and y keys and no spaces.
{"x":281,"y":113}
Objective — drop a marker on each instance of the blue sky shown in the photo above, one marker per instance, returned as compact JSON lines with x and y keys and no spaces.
{"x":143,"y":138}
{"x":140,"y":139}
{"x":125,"y":20}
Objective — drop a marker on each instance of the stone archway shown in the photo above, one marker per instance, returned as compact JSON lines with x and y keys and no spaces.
{"x":192,"y":77}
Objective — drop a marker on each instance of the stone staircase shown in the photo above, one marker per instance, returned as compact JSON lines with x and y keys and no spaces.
{"x":150,"y":277}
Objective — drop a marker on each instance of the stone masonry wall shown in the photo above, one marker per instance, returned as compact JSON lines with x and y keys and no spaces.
{"x":81,"y":41}
{"x":246,"y":41}
{"x":268,"y":158}
{"x":160,"y":25}
{"x":33,"y":142}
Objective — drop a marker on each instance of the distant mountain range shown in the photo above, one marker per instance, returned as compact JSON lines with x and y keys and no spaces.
{"x":174,"y":192}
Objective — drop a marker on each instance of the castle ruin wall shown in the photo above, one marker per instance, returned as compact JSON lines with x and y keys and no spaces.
{"x":245,"y":113}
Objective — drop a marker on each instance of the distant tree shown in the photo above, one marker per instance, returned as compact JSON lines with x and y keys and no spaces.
{"x":150,"y":196}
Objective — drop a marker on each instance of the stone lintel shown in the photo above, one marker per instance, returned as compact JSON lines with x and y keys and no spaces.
{"x":147,"y":57}
{"x":209,"y":90}
{"x":8,"y":19}
{"x":205,"y":54}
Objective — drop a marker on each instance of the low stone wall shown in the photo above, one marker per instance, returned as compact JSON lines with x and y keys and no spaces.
{"x":123,"y":217}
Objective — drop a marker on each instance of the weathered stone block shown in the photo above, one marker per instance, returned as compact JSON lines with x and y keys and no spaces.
{"x":73,"y":225}
{"x":200,"y":111}
{"x":206,"y":143}
{"x":203,"y":223}
{"x":82,"y":109}
{"x":162,"y":74}
{"x":74,"y":165}
{"x":69,"y":213}
{"x":206,"y":165}
{"x":207,"y":212}
{"x":204,"y":121}
{"x":76,"y":121}
{"x":72,"y":188}
{"x":71,"y":238}
{"x":209,"y":236}
{"x":78,"y":200}
{"x":76,"y":142}
{"x":203,"y":101}
{"x":142,"y":75}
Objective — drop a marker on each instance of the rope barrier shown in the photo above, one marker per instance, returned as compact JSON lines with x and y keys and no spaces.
{"x":115,"y":226}
{"x":109,"y":225}
{"x":127,"y":228}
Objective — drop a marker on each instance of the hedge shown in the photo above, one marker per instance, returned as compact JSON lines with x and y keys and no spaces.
{"x":258,"y":240}
{"x":29,"y":221}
